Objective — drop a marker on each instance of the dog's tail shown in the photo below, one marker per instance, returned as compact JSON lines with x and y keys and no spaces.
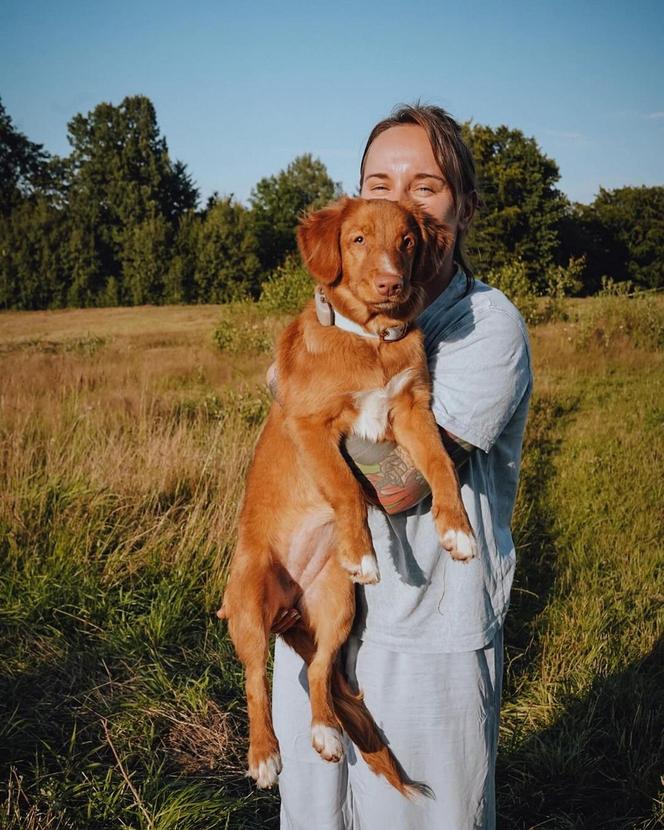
{"x":357,"y":722}
{"x":361,"y":728}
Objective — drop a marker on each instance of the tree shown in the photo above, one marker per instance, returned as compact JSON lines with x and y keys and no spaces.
{"x":179,"y":282}
{"x":23,"y":164}
{"x":279,"y":201}
{"x":622,"y":236}
{"x":33,"y":242}
{"x":227,"y":263}
{"x":121,"y":178}
{"x":521,"y":207}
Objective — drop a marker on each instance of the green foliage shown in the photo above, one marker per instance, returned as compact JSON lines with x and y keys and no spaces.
{"x":180,"y":279}
{"x":242,"y":328}
{"x":512,"y":279}
{"x":145,"y":258}
{"x":116,"y":222}
{"x":227,"y":264}
{"x":125,"y":197}
{"x":616,"y":321}
{"x":611,"y":288}
{"x":538,"y":307}
{"x":621,"y":235}
{"x":287,"y":288}
{"x":33,"y":260}
{"x":23,"y":164}
{"x":279,"y":201}
{"x":521,"y":207}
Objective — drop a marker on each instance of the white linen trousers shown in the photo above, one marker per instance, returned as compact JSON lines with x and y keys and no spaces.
{"x":439,"y":713}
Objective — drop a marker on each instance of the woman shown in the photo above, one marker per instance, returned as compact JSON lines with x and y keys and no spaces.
{"x":427,"y":645}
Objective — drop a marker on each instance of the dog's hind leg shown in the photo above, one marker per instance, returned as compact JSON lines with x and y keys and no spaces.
{"x":250,"y":605}
{"x":328,"y":609}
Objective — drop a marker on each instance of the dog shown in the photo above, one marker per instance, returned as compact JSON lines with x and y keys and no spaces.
{"x":303,"y":538}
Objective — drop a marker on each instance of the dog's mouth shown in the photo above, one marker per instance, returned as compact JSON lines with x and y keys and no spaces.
{"x":394,"y":301}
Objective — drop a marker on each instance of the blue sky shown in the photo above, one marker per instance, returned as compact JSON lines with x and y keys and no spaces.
{"x":240,"y":90}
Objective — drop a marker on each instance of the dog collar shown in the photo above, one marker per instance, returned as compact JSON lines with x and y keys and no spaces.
{"x":328,"y":316}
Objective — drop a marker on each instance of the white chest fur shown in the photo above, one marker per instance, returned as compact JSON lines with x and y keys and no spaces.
{"x":374,"y":407}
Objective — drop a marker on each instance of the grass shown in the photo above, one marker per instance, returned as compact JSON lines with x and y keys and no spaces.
{"x":124,"y":436}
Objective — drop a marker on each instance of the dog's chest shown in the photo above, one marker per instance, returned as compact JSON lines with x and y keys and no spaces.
{"x":374,"y":406}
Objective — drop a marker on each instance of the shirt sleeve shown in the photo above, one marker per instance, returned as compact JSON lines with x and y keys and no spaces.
{"x":480,"y":371}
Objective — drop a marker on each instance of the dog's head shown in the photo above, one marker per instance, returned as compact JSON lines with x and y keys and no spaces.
{"x":373,"y":256}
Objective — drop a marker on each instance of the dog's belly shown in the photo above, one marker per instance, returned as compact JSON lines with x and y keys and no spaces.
{"x":374,"y":407}
{"x":309,"y":547}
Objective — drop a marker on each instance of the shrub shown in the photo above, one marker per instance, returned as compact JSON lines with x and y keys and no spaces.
{"x":243,"y":329}
{"x":617,"y":320}
{"x":512,"y":279}
{"x":559,"y":282}
{"x":287,"y":288}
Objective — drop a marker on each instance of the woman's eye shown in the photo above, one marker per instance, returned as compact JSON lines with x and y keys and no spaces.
{"x":378,"y":187}
{"x":425,"y":189}
{"x":359,"y":240}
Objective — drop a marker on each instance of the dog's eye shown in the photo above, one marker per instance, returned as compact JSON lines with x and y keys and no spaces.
{"x":359,"y":240}
{"x":408,"y":241}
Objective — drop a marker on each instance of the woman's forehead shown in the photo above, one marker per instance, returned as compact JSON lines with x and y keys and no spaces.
{"x":399,"y":150}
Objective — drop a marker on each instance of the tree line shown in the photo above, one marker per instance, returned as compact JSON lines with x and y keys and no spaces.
{"x":118,"y":222}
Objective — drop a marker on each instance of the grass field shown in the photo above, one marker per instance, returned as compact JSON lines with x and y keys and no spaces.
{"x":125,"y":434}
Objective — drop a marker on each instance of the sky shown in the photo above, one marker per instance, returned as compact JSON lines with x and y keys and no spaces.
{"x":241,"y":89}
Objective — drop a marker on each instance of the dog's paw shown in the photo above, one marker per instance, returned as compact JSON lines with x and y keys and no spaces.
{"x":266,"y":771}
{"x":326,"y":740}
{"x":459,"y":544}
{"x":366,"y":572}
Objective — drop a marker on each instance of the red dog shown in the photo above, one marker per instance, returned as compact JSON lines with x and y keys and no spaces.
{"x":303,"y":535}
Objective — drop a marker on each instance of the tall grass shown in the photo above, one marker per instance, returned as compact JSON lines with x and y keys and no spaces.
{"x":124,"y":440}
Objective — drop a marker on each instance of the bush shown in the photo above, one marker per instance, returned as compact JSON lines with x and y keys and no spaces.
{"x":288,"y":288}
{"x":559,"y":283}
{"x":512,"y":279}
{"x":617,"y":320}
{"x":242,"y":328}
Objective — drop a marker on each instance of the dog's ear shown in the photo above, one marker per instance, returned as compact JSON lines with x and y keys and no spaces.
{"x":318,"y":240}
{"x":434,"y":243}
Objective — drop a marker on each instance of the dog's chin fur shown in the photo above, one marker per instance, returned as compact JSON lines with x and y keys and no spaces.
{"x":385,"y":314}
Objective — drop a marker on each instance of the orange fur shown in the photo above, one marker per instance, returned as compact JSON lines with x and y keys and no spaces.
{"x":303,"y":535}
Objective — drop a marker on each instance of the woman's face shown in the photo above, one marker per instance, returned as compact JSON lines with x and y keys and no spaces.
{"x":400,"y":164}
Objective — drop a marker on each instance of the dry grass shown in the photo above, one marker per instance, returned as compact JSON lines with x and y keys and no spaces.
{"x":124,"y":437}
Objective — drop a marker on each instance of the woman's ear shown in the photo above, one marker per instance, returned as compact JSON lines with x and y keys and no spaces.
{"x":318,"y":241}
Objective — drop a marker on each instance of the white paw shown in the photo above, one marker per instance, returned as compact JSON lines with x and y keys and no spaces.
{"x":366,"y":573}
{"x":459,"y":544}
{"x":326,"y":740}
{"x":265,"y":774}
{"x":369,"y":569}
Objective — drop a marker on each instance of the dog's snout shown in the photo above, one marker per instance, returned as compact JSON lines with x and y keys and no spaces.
{"x":389,"y":285}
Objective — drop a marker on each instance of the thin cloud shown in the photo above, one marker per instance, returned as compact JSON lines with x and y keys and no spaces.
{"x":655,"y":116}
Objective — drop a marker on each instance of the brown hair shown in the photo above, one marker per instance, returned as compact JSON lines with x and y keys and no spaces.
{"x":450,"y":151}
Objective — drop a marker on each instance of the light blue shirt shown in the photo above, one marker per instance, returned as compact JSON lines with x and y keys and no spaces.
{"x":479,"y":359}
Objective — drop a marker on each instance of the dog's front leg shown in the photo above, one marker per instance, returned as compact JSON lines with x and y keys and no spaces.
{"x":318,"y":448}
{"x":415,"y":429}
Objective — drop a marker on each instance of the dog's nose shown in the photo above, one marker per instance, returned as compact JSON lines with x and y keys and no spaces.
{"x":389,"y":285}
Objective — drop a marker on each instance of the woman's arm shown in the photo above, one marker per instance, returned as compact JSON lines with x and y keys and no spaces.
{"x":388,"y":475}
{"x":385,"y":470}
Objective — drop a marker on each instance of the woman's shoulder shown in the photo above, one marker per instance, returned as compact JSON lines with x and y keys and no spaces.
{"x":472,"y":310}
